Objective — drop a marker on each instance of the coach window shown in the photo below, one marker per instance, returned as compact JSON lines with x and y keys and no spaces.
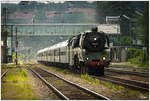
{"x":46,"y":53}
{"x":62,"y":53}
{"x":49,"y":53}
{"x":56,"y":52}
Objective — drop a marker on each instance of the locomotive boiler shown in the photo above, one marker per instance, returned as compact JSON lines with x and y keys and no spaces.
{"x":87,"y":52}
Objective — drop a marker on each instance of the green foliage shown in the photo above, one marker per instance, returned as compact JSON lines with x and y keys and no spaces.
{"x":97,"y":81}
{"x":17,"y":75}
{"x":16,"y":86}
{"x":14,"y":56}
{"x":65,"y":71}
{"x":57,"y":69}
{"x":20,"y":57}
{"x":87,"y":78}
{"x":59,"y":82}
{"x":142,"y":28}
{"x":90,"y":79}
{"x":8,"y":65}
{"x":5,"y":29}
{"x":138,"y":56}
{"x":133,"y":52}
{"x":113,"y":8}
{"x":18,"y":91}
{"x":113,"y":87}
{"x":126,"y":40}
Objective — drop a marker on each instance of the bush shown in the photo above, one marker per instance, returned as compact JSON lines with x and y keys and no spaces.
{"x":126,"y":40}
{"x":138,"y":56}
{"x":133,"y":52}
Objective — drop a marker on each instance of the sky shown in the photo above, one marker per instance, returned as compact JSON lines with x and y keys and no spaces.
{"x":61,"y":1}
{"x":42,"y":1}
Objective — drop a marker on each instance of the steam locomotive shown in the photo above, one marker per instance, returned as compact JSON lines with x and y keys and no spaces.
{"x":87,"y":52}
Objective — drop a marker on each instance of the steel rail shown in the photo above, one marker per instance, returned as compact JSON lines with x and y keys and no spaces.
{"x":80,"y":87}
{"x":55,"y":24}
{"x":130,"y":81}
{"x":42,"y":35}
{"x":121,"y":83}
{"x":4,"y":74}
{"x":128,"y":72}
{"x":49,"y":85}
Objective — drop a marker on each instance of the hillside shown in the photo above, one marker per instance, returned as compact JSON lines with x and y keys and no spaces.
{"x":34,"y":12}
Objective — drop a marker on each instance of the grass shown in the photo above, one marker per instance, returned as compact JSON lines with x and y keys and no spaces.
{"x":57,"y":69}
{"x":90,"y":79}
{"x":17,"y":87}
{"x":113,"y":87}
{"x":59,"y":82}
{"x":17,"y":75}
{"x":65,"y":71}
{"x":8,"y":65}
{"x":129,"y":64}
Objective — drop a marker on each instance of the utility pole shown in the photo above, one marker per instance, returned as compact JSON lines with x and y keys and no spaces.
{"x":11,"y":43}
{"x":4,"y":35}
{"x":16,"y":48}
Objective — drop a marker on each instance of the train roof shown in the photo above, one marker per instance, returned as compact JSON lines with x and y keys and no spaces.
{"x":55,"y":46}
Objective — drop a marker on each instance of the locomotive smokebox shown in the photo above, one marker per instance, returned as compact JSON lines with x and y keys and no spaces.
{"x":93,"y":41}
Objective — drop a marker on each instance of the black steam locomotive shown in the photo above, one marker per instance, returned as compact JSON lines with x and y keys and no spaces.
{"x":87,"y":52}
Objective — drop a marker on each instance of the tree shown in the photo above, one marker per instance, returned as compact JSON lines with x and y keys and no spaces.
{"x":144,"y":26}
{"x":126,"y":40}
{"x":113,"y":8}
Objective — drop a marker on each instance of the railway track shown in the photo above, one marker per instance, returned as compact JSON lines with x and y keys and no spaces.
{"x":125,"y":82}
{"x":128,"y":72}
{"x":4,"y":74}
{"x":66,"y":89}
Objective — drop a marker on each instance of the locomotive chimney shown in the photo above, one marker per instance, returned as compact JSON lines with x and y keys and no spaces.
{"x":94,"y":29}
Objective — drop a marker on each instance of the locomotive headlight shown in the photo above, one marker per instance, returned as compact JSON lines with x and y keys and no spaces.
{"x":103,"y":58}
{"x":95,"y":39}
{"x":87,"y":58}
